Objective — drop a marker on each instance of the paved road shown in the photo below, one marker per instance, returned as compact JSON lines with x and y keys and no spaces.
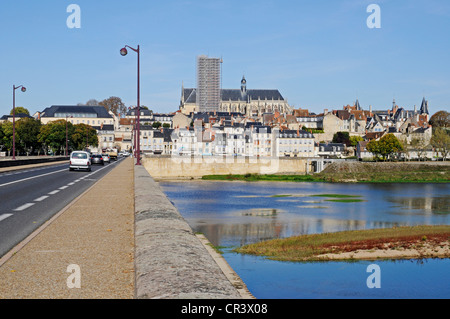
{"x":28,"y":198}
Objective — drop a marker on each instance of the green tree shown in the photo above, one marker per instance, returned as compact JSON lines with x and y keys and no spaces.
{"x":53,"y":136}
{"x":27,"y":130}
{"x":20,"y":109}
{"x":156,"y":125}
{"x":342,"y":137}
{"x":441,"y":141}
{"x":82,"y":134}
{"x":7,"y":133}
{"x":386,"y":146}
{"x":354,"y":140}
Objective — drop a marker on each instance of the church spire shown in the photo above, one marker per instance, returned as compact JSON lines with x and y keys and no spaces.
{"x":424,"y":107}
{"x":358,"y":107}
{"x":243,"y":86}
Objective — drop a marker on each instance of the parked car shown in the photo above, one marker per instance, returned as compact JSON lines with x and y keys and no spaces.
{"x":97,"y":159}
{"x":80,"y":160}
{"x":106,"y":158}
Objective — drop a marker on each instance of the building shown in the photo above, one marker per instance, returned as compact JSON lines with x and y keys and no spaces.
{"x":293,"y":143}
{"x":208,"y":83}
{"x":248,"y":102}
{"x":91,"y":115}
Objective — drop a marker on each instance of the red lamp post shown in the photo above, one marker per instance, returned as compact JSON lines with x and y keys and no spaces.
{"x":67,"y":137}
{"x":23,"y":89}
{"x":124,"y":52}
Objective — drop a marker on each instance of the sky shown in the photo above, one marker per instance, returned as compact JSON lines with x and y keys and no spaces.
{"x":320,"y":54}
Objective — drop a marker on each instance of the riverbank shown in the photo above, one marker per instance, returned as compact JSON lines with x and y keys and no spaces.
{"x":373,"y":244}
{"x":359,"y":172}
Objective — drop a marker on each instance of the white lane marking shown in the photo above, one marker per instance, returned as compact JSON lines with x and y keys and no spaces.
{"x":4,"y":216}
{"x":70,"y":184}
{"x":54,"y":192}
{"x":40,"y":199}
{"x":28,"y":178}
{"x":63,"y":187}
{"x":23,"y":207}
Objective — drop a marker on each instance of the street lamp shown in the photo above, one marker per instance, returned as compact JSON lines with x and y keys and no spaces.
{"x":23,"y":89}
{"x":124,"y":52}
{"x":67,"y":137}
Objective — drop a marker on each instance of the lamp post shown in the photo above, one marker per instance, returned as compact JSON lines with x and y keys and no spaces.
{"x":23,"y":89}
{"x":124,"y":52}
{"x":133,"y":130}
{"x":67,"y":137}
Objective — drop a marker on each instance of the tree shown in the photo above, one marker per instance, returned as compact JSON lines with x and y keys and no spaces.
{"x":441,"y":141}
{"x":82,"y":134}
{"x":420,"y":145}
{"x":342,"y":137}
{"x":7,"y":132}
{"x":20,"y":110}
{"x":53,"y":135}
{"x":354,"y":140}
{"x":92,"y":102}
{"x":156,"y":125}
{"x":114,"y":104}
{"x":27,"y":131}
{"x":440,"y":119}
{"x":386,"y":146}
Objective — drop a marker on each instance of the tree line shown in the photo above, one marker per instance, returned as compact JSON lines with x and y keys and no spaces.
{"x":35,"y":138}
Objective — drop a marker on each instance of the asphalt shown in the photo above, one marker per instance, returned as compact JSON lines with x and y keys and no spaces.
{"x":117,"y":242}
{"x":86,"y":251}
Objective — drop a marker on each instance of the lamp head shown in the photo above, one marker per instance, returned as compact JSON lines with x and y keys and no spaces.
{"x":23,"y":89}
{"x":123,"y":52}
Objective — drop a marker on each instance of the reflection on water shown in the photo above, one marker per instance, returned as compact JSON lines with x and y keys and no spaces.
{"x":237,"y":213}
{"x":431,"y":205}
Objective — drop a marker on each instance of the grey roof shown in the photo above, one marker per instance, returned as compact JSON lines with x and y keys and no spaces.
{"x":17,"y":115}
{"x":236,"y":95}
{"x":106,"y":127}
{"x":329,"y":146}
{"x":300,"y":134}
{"x":146,"y":112}
{"x":52,"y":110}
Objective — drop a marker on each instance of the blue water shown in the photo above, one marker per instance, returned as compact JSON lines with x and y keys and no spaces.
{"x":232,"y":214}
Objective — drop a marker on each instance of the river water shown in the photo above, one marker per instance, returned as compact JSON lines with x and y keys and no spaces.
{"x":231,"y":214}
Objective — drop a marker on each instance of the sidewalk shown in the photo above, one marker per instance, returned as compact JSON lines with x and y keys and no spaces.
{"x":95,"y":232}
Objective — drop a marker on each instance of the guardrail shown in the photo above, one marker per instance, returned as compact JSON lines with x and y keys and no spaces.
{"x":8,"y":162}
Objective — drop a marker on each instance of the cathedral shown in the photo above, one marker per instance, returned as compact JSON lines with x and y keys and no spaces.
{"x":251,"y":103}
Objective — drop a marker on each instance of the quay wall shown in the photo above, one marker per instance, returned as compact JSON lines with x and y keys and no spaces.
{"x":171,"y":262}
{"x":196,"y":167}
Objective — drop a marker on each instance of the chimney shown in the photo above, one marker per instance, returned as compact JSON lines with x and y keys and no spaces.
{"x":325,"y":111}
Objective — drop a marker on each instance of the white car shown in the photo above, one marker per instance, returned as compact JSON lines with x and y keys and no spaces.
{"x":80,"y":160}
{"x":106,"y":158}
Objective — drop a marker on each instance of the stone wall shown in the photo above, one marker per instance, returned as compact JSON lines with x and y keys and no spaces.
{"x":171,"y":262}
{"x":193,"y":167}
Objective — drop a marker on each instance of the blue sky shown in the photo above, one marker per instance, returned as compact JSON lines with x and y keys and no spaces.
{"x":318,"y":53}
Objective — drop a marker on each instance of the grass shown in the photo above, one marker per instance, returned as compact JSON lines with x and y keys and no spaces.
{"x":345,"y":200}
{"x":335,"y":195}
{"x":416,"y":174}
{"x":268,"y":178}
{"x":308,"y":247}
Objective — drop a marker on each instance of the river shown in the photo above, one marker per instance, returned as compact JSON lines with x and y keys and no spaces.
{"x":231,"y":214}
